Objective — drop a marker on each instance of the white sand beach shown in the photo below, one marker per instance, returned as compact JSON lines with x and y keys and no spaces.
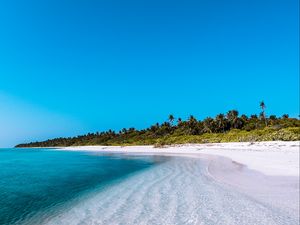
{"x":223,"y":183}
{"x":271,"y":158}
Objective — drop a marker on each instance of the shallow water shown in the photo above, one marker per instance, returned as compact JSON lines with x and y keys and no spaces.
{"x":180,"y":191}
{"x":70,"y":188}
{"x":39,"y":184}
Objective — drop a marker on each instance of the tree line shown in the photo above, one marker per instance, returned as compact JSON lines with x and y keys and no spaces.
{"x":221,"y":123}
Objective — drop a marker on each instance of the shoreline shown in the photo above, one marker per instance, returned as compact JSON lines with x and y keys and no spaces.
{"x":191,"y":183}
{"x":226,"y":182}
{"x":276,"y":158}
{"x":267,"y":172}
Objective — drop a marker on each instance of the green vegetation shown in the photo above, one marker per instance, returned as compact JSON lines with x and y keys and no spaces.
{"x":223,"y":128}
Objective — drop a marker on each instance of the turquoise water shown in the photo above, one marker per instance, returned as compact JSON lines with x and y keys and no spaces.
{"x":41,"y":183}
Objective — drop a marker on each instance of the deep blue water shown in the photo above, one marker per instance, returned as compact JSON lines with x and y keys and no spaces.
{"x":35,"y":181}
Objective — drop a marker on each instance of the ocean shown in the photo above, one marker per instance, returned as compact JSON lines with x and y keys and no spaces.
{"x":37,"y":184}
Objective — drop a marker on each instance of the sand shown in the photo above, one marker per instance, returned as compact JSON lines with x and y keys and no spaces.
{"x":276,"y":158}
{"x":230,"y":183}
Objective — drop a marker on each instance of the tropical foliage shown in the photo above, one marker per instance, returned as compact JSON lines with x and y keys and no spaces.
{"x":222,"y":128}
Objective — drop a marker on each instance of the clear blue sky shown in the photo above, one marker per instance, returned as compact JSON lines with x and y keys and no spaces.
{"x":70,"y":67}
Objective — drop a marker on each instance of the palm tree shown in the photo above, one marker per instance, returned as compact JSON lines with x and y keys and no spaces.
{"x":285,"y":116}
{"x":262,"y":105}
{"x":232,"y":117}
{"x":209,"y":125}
{"x":220,"y":120}
{"x":192,"y":125}
{"x":192,"y":119}
{"x":244,"y":119}
{"x":263,"y":114}
{"x":171,"y":119}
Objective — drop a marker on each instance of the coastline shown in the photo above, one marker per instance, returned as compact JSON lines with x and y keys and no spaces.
{"x":209,"y":182}
{"x":275,"y":158}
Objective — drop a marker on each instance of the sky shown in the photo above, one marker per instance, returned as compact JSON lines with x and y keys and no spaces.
{"x":72,"y":67}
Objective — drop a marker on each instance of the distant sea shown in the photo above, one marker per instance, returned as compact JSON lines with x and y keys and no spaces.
{"x":37,"y":184}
